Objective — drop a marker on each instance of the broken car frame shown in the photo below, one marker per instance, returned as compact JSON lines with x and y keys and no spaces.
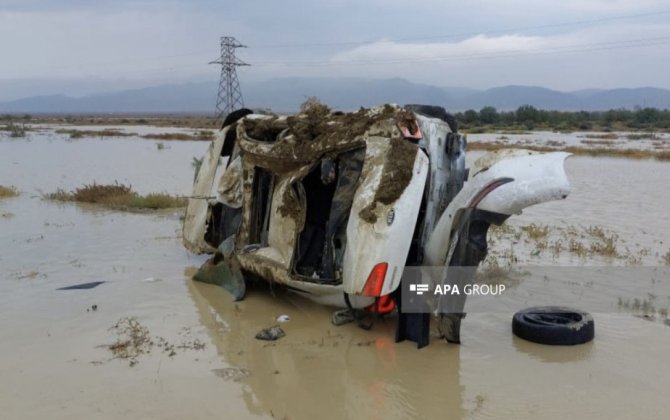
{"x":335,"y":205}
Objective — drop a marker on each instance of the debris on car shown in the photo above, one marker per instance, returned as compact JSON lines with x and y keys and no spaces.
{"x":335,"y":205}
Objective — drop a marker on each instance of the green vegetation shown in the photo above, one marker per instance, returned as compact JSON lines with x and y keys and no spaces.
{"x":118,"y":196}
{"x":583,"y":242}
{"x":191,"y":121}
{"x":108,"y":132}
{"x":535,"y":232}
{"x":604,"y":136}
{"x":8,"y":191}
{"x":527,"y":117}
{"x":15,"y":130}
{"x":113,"y":132}
{"x":644,"y":136}
{"x":203,"y":135}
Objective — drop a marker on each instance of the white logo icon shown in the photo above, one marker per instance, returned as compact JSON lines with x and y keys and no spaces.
{"x":418,"y":288}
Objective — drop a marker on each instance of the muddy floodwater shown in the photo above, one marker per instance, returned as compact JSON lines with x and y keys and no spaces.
{"x":196,"y":356}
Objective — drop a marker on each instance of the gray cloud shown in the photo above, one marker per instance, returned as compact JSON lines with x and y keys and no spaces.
{"x":480,"y":43}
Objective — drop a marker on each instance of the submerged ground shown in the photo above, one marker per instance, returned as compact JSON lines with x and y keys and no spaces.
{"x":151,"y":343}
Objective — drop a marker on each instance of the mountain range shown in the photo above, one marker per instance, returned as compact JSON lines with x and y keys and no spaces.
{"x":286,"y":95}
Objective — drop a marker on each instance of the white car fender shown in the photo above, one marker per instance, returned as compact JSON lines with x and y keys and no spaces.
{"x":503,"y":183}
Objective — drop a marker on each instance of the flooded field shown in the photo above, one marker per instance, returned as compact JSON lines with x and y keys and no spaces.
{"x":192,"y":351}
{"x":581,"y":139}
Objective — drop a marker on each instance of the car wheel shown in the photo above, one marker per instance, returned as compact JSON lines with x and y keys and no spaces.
{"x":554,"y":325}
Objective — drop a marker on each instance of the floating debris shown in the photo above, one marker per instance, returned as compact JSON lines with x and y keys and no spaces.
{"x":83,"y":286}
{"x":271,"y":334}
{"x":133,"y":340}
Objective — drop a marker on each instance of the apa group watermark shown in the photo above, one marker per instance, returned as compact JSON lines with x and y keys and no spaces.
{"x":427,"y":289}
{"x":456,"y":290}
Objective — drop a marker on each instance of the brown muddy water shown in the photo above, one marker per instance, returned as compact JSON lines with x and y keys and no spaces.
{"x":55,"y":359}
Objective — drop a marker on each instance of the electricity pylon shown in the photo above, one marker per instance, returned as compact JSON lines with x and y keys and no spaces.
{"x":230,"y":94}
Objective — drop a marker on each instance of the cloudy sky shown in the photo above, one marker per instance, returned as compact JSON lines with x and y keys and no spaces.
{"x":80,"y":46}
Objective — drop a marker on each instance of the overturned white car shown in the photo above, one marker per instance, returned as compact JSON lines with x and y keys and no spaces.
{"x":335,"y":205}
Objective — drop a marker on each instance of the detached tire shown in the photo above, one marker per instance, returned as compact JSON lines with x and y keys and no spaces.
{"x":554,"y":325}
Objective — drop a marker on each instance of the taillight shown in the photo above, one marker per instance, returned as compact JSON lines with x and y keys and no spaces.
{"x":373,"y":286}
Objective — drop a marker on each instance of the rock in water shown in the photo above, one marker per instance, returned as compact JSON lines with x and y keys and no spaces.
{"x":271,"y":334}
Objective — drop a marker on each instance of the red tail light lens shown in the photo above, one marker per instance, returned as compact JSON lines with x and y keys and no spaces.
{"x":373,"y":286}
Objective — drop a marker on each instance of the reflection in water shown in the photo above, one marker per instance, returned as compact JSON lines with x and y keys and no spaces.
{"x":319,"y":371}
{"x":554,"y":354}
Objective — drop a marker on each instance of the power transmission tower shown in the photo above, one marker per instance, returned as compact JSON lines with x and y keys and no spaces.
{"x":230,"y":94}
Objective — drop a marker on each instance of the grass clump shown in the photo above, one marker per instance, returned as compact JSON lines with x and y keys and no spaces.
{"x":15,"y":130}
{"x":202,"y":135}
{"x":108,"y":132}
{"x":644,"y":306}
{"x":155,"y":201}
{"x":643,"y":136}
{"x":604,"y":244}
{"x":666,"y":258}
{"x":602,"y":136}
{"x":599,"y":142}
{"x":492,"y":273}
{"x":6,"y":192}
{"x":118,"y":196}
{"x":95,"y":193}
{"x":535,"y":232}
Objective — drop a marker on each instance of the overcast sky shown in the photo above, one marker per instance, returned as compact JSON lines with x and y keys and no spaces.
{"x":80,"y":46}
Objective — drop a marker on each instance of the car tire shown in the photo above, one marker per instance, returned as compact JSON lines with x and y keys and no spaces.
{"x":554,"y":325}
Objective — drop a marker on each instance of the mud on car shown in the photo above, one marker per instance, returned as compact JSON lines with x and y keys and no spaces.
{"x":335,"y":206}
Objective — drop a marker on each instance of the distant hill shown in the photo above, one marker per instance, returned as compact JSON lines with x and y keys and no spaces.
{"x":192,"y":97}
{"x":644,"y":97}
{"x":511,"y":97}
{"x":346,"y":93}
{"x":286,"y":94}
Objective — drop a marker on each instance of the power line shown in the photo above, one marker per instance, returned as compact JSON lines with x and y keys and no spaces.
{"x":603,"y":46}
{"x":294,"y":63}
{"x":643,"y":42}
{"x":467,"y":34}
{"x":368,"y":42}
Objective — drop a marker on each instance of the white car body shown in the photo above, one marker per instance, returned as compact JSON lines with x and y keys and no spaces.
{"x":424,"y":216}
